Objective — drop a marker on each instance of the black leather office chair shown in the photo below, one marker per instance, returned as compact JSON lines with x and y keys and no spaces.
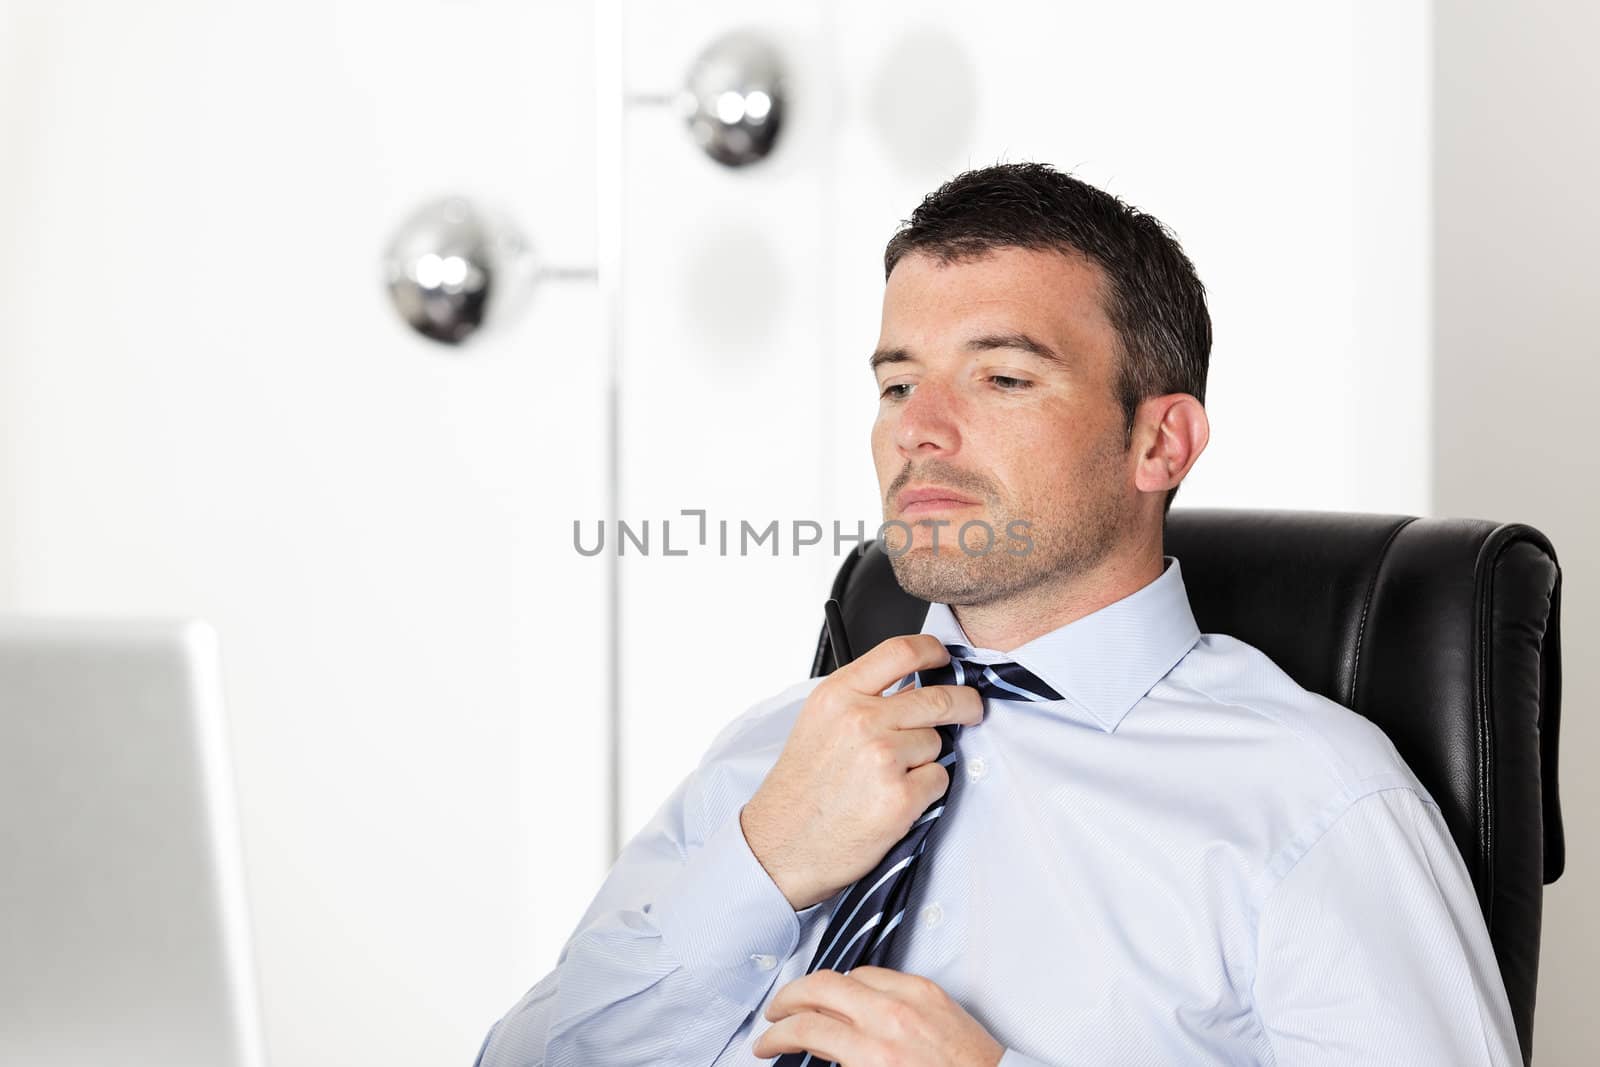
{"x":1444,"y":632}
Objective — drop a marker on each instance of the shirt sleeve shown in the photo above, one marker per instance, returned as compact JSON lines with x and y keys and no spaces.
{"x":1372,"y":948}
{"x":681,"y":943}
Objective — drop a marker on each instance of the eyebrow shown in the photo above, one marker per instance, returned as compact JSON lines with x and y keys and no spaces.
{"x":982,"y":343}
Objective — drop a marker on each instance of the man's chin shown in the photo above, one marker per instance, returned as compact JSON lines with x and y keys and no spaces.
{"x":947,"y":575}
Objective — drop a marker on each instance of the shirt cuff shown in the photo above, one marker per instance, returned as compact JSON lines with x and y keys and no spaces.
{"x":726,"y":921}
{"x":1012,"y":1058}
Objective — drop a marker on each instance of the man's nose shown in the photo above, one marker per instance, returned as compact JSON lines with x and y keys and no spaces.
{"x":930,"y":420}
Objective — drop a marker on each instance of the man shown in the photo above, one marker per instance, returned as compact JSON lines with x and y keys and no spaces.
{"x":1155,"y":848}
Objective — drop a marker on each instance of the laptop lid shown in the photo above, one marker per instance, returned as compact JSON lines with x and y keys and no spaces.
{"x":124,"y":935}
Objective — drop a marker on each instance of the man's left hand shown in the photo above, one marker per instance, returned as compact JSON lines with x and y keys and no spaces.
{"x":875,"y":1017}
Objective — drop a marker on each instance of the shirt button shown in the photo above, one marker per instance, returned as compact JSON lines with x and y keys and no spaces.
{"x":976,"y":768}
{"x":764,"y":961}
{"x":932,"y":915}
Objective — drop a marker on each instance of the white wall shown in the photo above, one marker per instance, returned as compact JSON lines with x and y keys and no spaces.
{"x":1517,"y":366}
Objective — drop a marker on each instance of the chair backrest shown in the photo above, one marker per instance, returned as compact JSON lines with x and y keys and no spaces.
{"x":1444,"y":632}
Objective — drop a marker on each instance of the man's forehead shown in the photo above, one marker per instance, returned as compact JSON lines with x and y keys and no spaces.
{"x":1046,"y":299}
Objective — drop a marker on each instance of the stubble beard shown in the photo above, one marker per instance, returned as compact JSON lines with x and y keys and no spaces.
{"x":1065,"y":544}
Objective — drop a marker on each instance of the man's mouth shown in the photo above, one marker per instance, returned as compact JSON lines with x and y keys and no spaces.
{"x":932,"y":501}
{"x":935,"y":505}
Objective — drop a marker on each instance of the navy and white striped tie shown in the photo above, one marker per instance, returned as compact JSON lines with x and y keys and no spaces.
{"x":868,"y":912}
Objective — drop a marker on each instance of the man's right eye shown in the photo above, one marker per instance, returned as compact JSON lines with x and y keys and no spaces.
{"x":889,"y":391}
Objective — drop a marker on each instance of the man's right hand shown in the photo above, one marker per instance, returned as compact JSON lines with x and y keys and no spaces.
{"x":857,"y":770}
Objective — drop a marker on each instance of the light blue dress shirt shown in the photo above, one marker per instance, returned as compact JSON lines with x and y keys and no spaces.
{"x":1189,"y":859}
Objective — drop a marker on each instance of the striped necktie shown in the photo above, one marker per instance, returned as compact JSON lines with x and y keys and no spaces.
{"x":868,"y":912}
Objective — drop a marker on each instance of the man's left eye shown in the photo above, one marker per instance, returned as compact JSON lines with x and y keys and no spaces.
{"x":1010,"y":384}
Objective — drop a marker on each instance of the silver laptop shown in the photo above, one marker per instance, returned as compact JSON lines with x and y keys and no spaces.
{"x":124,"y":936}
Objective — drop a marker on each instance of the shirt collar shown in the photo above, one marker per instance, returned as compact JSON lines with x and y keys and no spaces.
{"x":1105,"y":662}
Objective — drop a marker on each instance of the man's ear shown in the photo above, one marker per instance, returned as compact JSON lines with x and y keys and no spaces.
{"x":1171,"y":431}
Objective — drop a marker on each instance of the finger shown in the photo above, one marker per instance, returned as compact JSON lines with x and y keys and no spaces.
{"x":897,"y":984}
{"x":916,"y":747}
{"x":931,"y":780}
{"x":935,"y":705}
{"x":891,"y":660}
{"x":836,"y":994}
{"x":825,"y":1037}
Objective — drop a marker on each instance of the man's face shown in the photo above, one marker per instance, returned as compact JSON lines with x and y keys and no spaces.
{"x":1016,"y":435}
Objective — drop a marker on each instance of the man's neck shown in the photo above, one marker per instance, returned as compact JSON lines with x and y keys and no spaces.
{"x":1005,"y":625}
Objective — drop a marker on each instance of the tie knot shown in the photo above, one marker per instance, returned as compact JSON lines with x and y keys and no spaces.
{"x":1006,"y":680}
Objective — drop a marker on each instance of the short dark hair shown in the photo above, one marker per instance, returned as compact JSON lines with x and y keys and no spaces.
{"x":1154,"y":299}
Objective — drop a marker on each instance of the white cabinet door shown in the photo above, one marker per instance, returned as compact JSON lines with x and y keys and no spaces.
{"x":724,"y":364}
{"x":208,"y":407}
